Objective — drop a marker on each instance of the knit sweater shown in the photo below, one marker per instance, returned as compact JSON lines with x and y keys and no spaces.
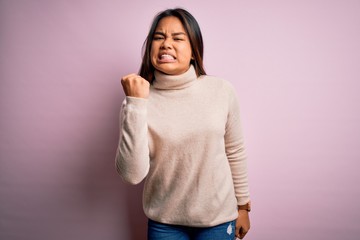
{"x":186,"y":140}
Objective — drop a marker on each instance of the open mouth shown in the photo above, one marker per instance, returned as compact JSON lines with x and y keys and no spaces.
{"x":166,"y":57}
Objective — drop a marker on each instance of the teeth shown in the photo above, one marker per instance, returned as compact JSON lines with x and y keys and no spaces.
{"x":167,"y":56}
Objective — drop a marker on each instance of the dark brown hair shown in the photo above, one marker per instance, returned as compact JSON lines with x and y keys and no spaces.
{"x":193,"y":31}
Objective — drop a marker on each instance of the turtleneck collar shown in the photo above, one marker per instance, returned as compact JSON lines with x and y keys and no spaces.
{"x":184,"y":80}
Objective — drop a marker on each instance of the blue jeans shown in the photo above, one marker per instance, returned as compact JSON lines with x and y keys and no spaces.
{"x":161,"y":231}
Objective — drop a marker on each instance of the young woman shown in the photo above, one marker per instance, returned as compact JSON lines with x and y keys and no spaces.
{"x":180,"y":129}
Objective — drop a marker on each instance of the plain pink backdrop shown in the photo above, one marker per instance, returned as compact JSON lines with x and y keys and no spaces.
{"x":295,"y":65}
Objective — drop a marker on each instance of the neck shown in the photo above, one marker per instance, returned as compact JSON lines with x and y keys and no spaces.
{"x":184,"y":80}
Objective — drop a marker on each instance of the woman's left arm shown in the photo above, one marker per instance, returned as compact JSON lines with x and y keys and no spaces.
{"x":235,"y":151}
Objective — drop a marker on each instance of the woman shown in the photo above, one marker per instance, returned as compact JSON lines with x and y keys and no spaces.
{"x":180,"y":129}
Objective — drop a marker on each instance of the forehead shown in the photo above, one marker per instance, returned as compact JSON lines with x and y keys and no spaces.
{"x":170,"y":24}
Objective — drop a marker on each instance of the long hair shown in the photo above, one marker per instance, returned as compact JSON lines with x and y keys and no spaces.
{"x":193,"y":31}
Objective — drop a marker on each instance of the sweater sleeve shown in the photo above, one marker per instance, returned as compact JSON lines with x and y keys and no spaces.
{"x":235,"y":150}
{"x":132,"y":154}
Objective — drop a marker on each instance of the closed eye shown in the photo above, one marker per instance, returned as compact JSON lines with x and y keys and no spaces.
{"x":158,"y":37}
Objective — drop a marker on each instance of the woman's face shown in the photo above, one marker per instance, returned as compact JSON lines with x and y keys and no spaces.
{"x":170,"y":48}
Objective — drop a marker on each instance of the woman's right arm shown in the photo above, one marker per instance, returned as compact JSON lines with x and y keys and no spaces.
{"x":132,"y":155}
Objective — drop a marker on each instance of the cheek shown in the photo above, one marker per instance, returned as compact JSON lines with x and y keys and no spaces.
{"x":153,"y":49}
{"x":153,"y":54}
{"x":186,"y":53}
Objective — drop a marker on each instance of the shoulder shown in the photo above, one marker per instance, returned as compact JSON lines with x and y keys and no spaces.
{"x":217,"y":83}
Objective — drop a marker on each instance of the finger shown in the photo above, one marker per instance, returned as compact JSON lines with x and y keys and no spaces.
{"x":130,"y":76}
{"x":242,"y":233}
{"x":134,"y":79}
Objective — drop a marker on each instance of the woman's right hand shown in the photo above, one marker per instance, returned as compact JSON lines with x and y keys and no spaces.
{"x":135,"y":86}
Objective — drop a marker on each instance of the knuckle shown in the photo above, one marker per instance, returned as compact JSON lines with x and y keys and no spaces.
{"x":125,"y":79}
{"x":136,"y":79}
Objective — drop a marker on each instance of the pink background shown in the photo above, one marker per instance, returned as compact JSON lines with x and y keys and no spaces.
{"x":295,"y":65}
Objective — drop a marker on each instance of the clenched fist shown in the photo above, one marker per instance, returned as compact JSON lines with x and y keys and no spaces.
{"x":135,"y":86}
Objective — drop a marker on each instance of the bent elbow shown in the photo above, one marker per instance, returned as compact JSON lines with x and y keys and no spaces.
{"x":134,"y":181}
{"x":132,"y":178}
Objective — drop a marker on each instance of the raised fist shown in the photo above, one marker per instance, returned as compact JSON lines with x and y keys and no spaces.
{"x":135,"y":86}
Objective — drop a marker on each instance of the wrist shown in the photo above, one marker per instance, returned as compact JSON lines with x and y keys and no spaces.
{"x":246,"y":207}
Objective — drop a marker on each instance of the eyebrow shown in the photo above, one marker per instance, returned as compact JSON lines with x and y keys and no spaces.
{"x":173,"y":34}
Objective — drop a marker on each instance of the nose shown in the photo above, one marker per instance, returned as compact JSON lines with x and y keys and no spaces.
{"x":166,"y":44}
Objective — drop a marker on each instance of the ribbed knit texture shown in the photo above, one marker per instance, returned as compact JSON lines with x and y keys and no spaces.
{"x":186,"y":139}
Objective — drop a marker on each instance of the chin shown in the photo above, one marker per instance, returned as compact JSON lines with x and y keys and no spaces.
{"x":170,"y":70}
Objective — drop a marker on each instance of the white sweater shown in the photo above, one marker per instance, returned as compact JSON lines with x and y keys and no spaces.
{"x":186,"y":139}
